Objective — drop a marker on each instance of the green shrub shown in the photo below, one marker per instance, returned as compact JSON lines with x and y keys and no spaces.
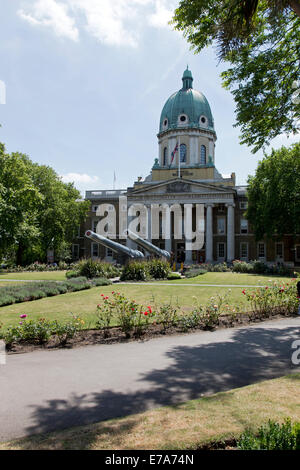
{"x":273,"y":436}
{"x":135,"y":271}
{"x":93,"y":268}
{"x":71,"y":274}
{"x":158,"y":268}
{"x":195,"y":272}
{"x":173,"y":276}
{"x":167,"y":315}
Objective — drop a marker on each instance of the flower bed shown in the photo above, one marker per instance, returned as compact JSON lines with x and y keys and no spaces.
{"x":136,"y":321}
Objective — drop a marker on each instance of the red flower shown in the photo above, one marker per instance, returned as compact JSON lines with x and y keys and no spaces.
{"x":267,"y":287}
{"x":150,"y":309}
{"x":146,"y":313}
{"x":244,"y":292}
{"x":102,"y":295}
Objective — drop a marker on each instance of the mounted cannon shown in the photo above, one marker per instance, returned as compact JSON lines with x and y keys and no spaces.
{"x":146,"y":245}
{"x":114,"y":246}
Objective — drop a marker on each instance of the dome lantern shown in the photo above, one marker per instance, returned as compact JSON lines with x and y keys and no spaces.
{"x":187,"y":79}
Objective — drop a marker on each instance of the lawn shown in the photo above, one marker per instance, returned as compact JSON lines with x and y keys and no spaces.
{"x":84,"y":303}
{"x":36,"y":276}
{"x":239,"y":279}
{"x":186,"y":426}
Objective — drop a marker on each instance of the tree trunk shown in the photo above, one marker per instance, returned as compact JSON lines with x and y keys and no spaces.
{"x":19,"y":256}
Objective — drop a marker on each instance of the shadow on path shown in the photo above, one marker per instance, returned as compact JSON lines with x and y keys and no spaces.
{"x":250,"y":356}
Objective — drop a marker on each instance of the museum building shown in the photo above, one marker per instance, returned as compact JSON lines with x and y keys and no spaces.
{"x":184,"y":172}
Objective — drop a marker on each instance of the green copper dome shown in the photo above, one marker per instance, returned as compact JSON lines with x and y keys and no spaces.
{"x":187,"y":108}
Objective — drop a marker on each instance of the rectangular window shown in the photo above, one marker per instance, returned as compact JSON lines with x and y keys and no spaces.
{"x":95,"y":250}
{"x":109,"y":253}
{"x":221,"y":225}
{"x":261,"y":250}
{"x":95,"y":223}
{"x":221,"y":251}
{"x":244,"y":226}
{"x":279,"y":251}
{"x":297,"y":252}
{"x":244,"y":251}
{"x":243,"y":205}
{"x":221,"y":207}
{"x":75,"y":251}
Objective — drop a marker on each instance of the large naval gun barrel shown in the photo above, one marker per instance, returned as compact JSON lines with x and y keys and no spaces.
{"x":114,"y":246}
{"x":146,"y":245}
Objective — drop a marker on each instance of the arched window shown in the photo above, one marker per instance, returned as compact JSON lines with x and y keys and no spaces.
{"x":203,"y":155}
{"x":182,"y":153}
{"x":165,"y":157}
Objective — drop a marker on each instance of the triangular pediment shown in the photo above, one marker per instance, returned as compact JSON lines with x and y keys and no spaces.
{"x":182,"y":186}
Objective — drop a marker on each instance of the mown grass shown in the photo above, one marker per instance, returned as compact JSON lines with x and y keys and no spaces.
{"x":84,"y":303}
{"x":36,"y":276}
{"x":189,"y":425}
{"x":239,"y":279}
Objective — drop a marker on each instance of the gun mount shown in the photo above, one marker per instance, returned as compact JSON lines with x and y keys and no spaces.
{"x":114,"y":246}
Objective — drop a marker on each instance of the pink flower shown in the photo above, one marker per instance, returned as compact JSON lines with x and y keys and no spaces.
{"x":23,"y":316}
{"x":102,"y":295}
{"x":20,"y":323}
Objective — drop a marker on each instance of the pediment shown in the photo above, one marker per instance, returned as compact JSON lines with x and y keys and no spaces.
{"x":182,"y":186}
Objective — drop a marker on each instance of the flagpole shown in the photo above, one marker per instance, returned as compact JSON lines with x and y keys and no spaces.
{"x":178,"y":157}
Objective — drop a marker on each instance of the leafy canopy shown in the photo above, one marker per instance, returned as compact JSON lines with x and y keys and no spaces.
{"x":37,"y":210}
{"x":261,"y":41}
{"x":274,"y":194}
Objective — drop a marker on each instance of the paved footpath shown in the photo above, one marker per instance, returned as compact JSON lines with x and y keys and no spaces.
{"x":46,"y":390}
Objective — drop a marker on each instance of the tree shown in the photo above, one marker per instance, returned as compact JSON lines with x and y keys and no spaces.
{"x":274,"y":194}
{"x":261,"y":41}
{"x":37,"y":210}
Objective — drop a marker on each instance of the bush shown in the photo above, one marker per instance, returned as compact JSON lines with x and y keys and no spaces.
{"x":92,"y":268}
{"x":278,"y":298}
{"x":40,"y":330}
{"x":130,"y":316}
{"x":173,"y":276}
{"x":194,"y":272}
{"x":273,"y":436}
{"x":145,"y":270}
{"x":167,"y":316}
{"x":135,"y":271}
{"x":158,"y":268}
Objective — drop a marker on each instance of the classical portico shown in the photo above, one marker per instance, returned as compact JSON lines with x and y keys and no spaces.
{"x":181,"y":197}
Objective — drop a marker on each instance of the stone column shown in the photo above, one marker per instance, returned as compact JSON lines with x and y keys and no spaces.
{"x":188,"y":218}
{"x":209,"y":234}
{"x":149,"y":237}
{"x":168,"y":239}
{"x":230,"y":232}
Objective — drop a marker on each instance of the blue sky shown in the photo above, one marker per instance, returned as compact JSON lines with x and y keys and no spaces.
{"x":86,"y":81}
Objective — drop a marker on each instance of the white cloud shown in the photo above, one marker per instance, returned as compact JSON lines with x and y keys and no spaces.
{"x":52,"y":14}
{"x":115,"y":23}
{"x":78,"y":178}
{"x":162,"y":14}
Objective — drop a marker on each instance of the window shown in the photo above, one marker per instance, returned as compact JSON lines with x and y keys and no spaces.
{"x":95,"y":223}
{"x":279,"y":251}
{"x":221,"y":250}
{"x":221,"y":225}
{"x":221,"y":207}
{"x":95,"y":250}
{"x":203,"y":155}
{"x":165,"y":156}
{"x":243,"y":205}
{"x":261,"y":251}
{"x":109,"y":253}
{"x":244,"y":226}
{"x":182,"y":118}
{"x":244,"y":251}
{"x":182,"y":153}
{"x":75,"y":251}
